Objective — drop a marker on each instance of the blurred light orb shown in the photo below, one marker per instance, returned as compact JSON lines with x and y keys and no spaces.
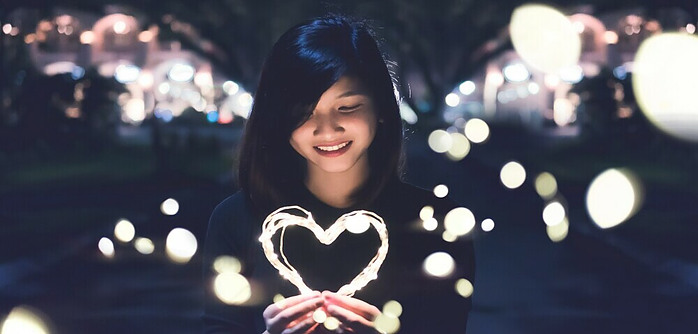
{"x":392,"y":308}
{"x":426,"y":212}
{"x":386,"y":324}
{"x":459,"y":221}
{"x":181,"y":245}
{"x":181,"y":72}
{"x":572,"y":74}
{"x":231,"y":87}
{"x":407,"y":113}
{"x":460,"y":147}
{"x":467,"y":87}
{"x":558,"y":232}
{"x":464,"y":287}
{"x":331,"y":323}
{"x":106,"y":246}
{"x":126,"y":73}
{"x":440,"y":141}
{"x":544,"y":38}
{"x":613,"y":197}
{"x":533,"y":88}
{"x":319,"y":316}
{"x":448,"y":236}
{"x":546,"y":185}
{"x":487,"y":225}
{"x":564,"y":111}
{"x":430,"y":224}
{"x":516,"y":72}
{"x":476,"y":130}
{"x":278,"y":297}
{"x":441,"y":191}
{"x":169,"y":207}
{"x":439,"y":264}
{"x":23,"y":320}
{"x":664,"y":76}
{"x":144,"y":246}
{"x":232,"y":288}
{"x":452,"y":100}
{"x":554,"y":213}
{"x":124,"y":231}
{"x":134,"y":111}
{"x":227,"y":263}
{"x":512,"y":175}
{"x":87,"y":37}
{"x":357,"y":224}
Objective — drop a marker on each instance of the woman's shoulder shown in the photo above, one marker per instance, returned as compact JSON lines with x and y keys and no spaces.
{"x":233,"y":206}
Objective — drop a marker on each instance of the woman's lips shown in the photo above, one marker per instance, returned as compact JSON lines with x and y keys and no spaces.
{"x":333,"y":150}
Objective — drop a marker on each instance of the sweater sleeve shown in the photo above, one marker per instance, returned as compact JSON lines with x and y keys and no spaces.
{"x":229,"y":234}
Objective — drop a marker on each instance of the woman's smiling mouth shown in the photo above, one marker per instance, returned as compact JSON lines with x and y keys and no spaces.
{"x":333,"y":150}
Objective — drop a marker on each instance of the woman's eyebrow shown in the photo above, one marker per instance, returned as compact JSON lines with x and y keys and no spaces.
{"x":351,"y":93}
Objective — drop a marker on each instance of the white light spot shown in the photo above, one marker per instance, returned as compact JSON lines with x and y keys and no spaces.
{"x":226,"y":263}
{"x":232,"y":288}
{"x":169,"y":207}
{"x":459,"y":221}
{"x":392,"y":308}
{"x":319,"y":316}
{"x":553,"y":213}
{"x":516,"y":72}
{"x":464,"y":287}
{"x":452,"y":99}
{"x":144,"y":246}
{"x":426,"y":212}
{"x":181,"y":245}
{"x":181,"y":72}
{"x":386,"y":324}
{"x":512,"y":175}
{"x":23,"y":320}
{"x":448,"y":236}
{"x":440,"y":141}
{"x":439,"y":264}
{"x":106,"y":246}
{"x":477,"y":130}
{"x":331,"y":323}
{"x":441,"y":191}
{"x":546,"y":185}
{"x":487,"y":225}
{"x":467,"y":87}
{"x":558,"y":232}
{"x":124,"y":231}
{"x":430,"y":224}
{"x":357,"y":224}
{"x":460,"y":147}
{"x":231,"y":87}
{"x":613,"y":197}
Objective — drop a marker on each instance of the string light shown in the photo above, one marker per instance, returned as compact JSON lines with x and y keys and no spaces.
{"x":281,"y":218}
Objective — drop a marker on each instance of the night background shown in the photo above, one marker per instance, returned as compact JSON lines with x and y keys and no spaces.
{"x":568,"y":128}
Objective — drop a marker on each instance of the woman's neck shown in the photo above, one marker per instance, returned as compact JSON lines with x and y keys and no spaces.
{"x":336,"y":189}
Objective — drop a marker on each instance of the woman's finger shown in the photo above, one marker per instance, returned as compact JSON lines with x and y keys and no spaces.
{"x":355,"y":305}
{"x":289,"y":315}
{"x":274,"y":309}
{"x":348,"y":318}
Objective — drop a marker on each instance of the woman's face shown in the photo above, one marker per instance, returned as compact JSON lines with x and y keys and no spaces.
{"x":336,"y":137}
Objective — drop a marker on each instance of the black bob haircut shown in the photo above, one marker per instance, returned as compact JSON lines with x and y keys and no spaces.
{"x":305,"y":61}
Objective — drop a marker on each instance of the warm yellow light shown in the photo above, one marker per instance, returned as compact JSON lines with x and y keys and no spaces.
{"x":477,"y":130}
{"x":558,"y":232}
{"x":613,"y":197}
{"x":144,"y":246}
{"x":546,"y":185}
{"x":611,"y":37}
{"x":232,"y":288}
{"x":120,"y":27}
{"x":441,"y":191}
{"x":464,"y":287}
{"x":386,"y":324}
{"x":181,"y":245}
{"x":439,"y":264}
{"x":278,"y":297}
{"x":544,"y":37}
{"x":460,"y":147}
{"x":452,"y":99}
{"x":23,"y":320}
{"x":124,"y":231}
{"x":430,"y":224}
{"x":319,"y":316}
{"x":357,"y":224}
{"x":106,"y":246}
{"x":87,"y":37}
{"x":664,"y":75}
{"x":459,"y":221}
{"x":227,"y":263}
{"x":169,"y":207}
{"x":392,"y":308}
{"x":487,"y":225}
{"x":553,"y":213}
{"x":426,"y":212}
{"x":331,"y":323}
{"x":512,"y":175}
{"x":145,"y":36}
{"x":440,"y":141}
{"x":448,"y":236}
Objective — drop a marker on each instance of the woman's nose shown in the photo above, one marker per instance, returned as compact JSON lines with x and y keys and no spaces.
{"x":327,"y":124}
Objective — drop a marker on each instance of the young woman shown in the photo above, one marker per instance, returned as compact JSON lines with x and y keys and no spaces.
{"x":325,"y":134}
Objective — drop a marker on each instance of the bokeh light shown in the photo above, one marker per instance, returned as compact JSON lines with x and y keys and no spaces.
{"x":459,"y":221}
{"x":467,"y":87}
{"x":426,"y":212}
{"x":357,"y":224}
{"x":664,"y":75}
{"x":169,"y":207}
{"x":331,"y":323}
{"x":144,"y":246}
{"x":392,"y":308}
{"x":452,"y":99}
{"x":487,"y":225}
{"x":430,"y":224}
{"x":460,"y":147}
{"x":232,"y":288}
{"x":441,"y":191}
{"x":546,"y":185}
{"x":227,"y":263}
{"x":181,"y":245}
{"x":124,"y":231}
{"x":24,"y":320}
{"x":512,"y":175}
{"x":613,"y":197}
{"x":544,"y":38}
{"x":439,"y":264}
{"x":554,"y":213}
{"x":319,"y":316}
{"x":464,"y":287}
{"x":476,"y":130}
{"x":386,"y":324}
{"x":106,"y":246}
{"x":558,"y":232}
{"x":448,"y":236}
{"x":440,"y":141}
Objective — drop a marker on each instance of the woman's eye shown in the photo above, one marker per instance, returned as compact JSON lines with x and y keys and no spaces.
{"x":349,"y":108}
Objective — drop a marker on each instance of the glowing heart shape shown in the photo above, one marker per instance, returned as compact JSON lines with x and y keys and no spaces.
{"x":281,"y":218}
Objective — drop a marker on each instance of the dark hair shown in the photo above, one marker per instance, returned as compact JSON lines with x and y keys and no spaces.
{"x":305,"y":61}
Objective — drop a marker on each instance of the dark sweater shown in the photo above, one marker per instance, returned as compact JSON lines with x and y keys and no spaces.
{"x":430,"y":305}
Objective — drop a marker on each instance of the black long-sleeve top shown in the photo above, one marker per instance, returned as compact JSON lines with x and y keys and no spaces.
{"x":430,"y":304}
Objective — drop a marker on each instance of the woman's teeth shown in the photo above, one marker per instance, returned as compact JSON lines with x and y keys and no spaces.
{"x":332,"y":148}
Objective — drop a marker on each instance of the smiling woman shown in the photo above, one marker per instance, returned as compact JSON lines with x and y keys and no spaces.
{"x":325,"y":137}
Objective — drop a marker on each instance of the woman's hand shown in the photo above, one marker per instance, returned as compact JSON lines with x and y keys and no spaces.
{"x":355,"y":315}
{"x":293,"y":314}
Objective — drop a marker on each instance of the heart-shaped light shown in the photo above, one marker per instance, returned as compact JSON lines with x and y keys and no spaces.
{"x":281,"y":218}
